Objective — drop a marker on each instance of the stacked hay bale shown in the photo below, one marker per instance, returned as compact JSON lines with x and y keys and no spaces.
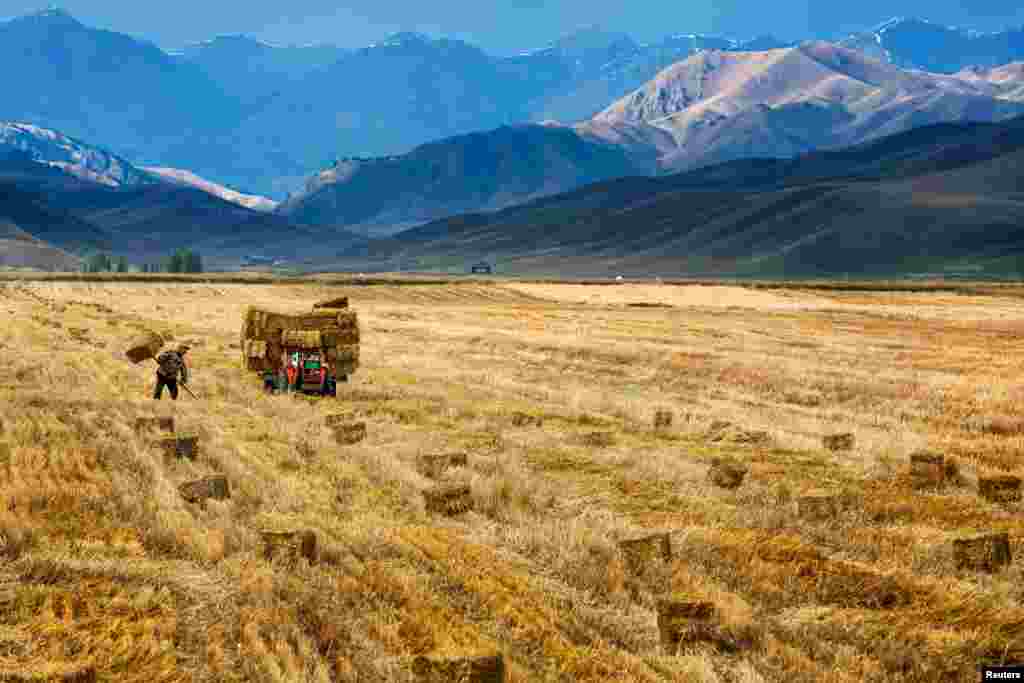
{"x":333,"y":331}
{"x":338,"y":332}
{"x":145,"y":346}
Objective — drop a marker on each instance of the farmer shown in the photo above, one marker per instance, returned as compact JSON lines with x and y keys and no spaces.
{"x":170,"y":365}
{"x":269,"y":381}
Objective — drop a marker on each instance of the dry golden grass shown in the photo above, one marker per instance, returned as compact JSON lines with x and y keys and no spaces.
{"x":103,"y":563}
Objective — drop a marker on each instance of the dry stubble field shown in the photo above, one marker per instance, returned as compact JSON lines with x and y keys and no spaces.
{"x":104,"y":564}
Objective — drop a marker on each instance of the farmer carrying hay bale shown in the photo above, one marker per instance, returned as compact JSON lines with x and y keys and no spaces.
{"x":171,"y":364}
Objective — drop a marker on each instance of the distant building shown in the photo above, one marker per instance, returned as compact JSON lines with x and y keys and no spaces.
{"x":481,"y":268}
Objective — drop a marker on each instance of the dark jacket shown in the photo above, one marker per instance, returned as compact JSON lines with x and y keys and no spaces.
{"x":172,"y":363}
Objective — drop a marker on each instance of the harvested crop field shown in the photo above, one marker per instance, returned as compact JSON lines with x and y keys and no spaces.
{"x":508,"y":447}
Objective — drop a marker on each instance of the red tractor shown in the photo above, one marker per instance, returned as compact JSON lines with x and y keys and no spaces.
{"x":309,"y":373}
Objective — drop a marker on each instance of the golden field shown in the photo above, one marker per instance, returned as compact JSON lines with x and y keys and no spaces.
{"x":104,"y":565}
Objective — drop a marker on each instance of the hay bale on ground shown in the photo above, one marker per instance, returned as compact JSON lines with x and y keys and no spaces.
{"x":663,"y":418}
{"x":685,"y":621}
{"x":340,"y":302}
{"x":952,"y":474}
{"x":1002,"y":488}
{"x":598,"y":439}
{"x":726,"y":474}
{"x":153,"y":424}
{"x":336,"y":419}
{"x":76,"y":674}
{"x":718,"y":427}
{"x":448,"y":499}
{"x":180,"y":447}
{"x":433,"y":465}
{"x":723,"y":430}
{"x":927,"y":469}
{"x":197,"y":491}
{"x":789,"y":549}
{"x":346,"y":434}
{"x":144,"y":347}
{"x":479,"y":669}
{"x":848,"y":585}
{"x":838,"y":442}
{"x":290,"y":545}
{"x":641,"y":552}
{"x":520,"y":419}
{"x":818,"y":507}
{"x":987,"y":552}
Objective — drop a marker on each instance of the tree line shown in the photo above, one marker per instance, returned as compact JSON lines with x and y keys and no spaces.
{"x":181,"y":261}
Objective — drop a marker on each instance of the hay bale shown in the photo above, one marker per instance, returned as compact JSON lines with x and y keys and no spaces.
{"x":598,"y":439}
{"x":684,"y":621}
{"x":433,"y":465}
{"x":985,"y":553}
{"x":520,"y":419}
{"x":153,"y":424}
{"x":254,"y":323}
{"x":345,"y":369}
{"x":739,"y":435}
{"x":346,"y":434}
{"x":179,"y":447}
{"x":1002,"y":488}
{"x":641,"y":552}
{"x":789,"y":550}
{"x":215,"y":487}
{"x":342,"y":353}
{"x":340,"y":302}
{"x":838,"y":442}
{"x":301,"y":339}
{"x":322,"y":319}
{"x":334,"y":337}
{"x":818,"y":507}
{"x":76,"y":674}
{"x":753,"y":437}
{"x":336,"y":419}
{"x":144,"y":347}
{"x":663,"y":418}
{"x":851,"y":586}
{"x":256,"y":348}
{"x":717,"y":427}
{"x":726,"y":474}
{"x":478,"y":669}
{"x":448,"y":499}
{"x":952,"y":468}
{"x":347,"y":320}
{"x":927,"y":470}
{"x":289,"y":545}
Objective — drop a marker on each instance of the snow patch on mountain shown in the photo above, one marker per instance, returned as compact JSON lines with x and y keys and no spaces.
{"x":183,"y":177}
{"x":53,"y":148}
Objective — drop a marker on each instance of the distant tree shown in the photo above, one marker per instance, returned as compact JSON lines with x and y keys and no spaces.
{"x":176,"y":262}
{"x":184,"y":261}
{"x":97,"y":263}
{"x":193,"y":262}
{"x":122,"y":264}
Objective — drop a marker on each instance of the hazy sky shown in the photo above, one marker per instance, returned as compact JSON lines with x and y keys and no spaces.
{"x":504,"y":27}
